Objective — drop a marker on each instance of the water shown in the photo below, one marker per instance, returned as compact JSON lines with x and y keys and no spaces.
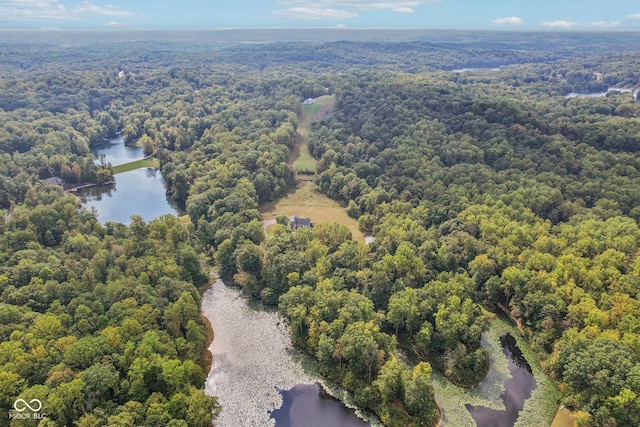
{"x":140,"y":192}
{"x":116,"y":152}
{"x":464,"y":70}
{"x":137,"y":192}
{"x":307,"y":405}
{"x":517,"y":390}
{"x":253,"y":361}
{"x":596,"y":94}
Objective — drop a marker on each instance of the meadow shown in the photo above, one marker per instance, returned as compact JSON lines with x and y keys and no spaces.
{"x":306,"y":201}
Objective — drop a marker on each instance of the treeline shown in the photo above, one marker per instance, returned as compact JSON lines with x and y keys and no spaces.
{"x":101,"y":324}
{"x":484,"y":189}
{"x":534,"y":201}
{"x":463,"y":184}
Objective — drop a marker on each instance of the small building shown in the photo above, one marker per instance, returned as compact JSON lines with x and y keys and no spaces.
{"x":297,"y":222}
{"x":309,"y":101}
{"x":54,"y":180}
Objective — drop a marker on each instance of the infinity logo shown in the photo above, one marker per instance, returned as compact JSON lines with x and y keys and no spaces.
{"x":21,"y":405}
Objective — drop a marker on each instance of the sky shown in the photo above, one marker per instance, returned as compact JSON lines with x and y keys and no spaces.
{"x":537,"y":15}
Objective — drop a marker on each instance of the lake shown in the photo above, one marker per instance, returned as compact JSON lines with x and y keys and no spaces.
{"x":517,"y":389}
{"x":137,"y":192}
{"x":308,"y":405}
{"x":596,"y":94}
{"x":116,"y":152}
{"x":256,"y":370}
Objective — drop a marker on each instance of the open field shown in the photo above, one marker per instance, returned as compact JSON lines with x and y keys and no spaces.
{"x":184,"y":220}
{"x":301,"y":159}
{"x":137,"y":164}
{"x":564,"y":418}
{"x":307,"y":202}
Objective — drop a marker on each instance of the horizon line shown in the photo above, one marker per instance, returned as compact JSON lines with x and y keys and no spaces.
{"x":332,"y":28}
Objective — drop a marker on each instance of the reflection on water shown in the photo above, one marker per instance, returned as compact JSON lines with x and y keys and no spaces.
{"x":307,"y":405}
{"x":137,"y":192}
{"x":517,"y":389}
{"x":116,"y":152}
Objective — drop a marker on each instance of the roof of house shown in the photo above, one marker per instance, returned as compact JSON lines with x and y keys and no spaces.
{"x":300,"y":222}
{"x":54,"y":180}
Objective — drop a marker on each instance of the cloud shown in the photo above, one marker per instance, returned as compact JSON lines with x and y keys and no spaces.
{"x":400,"y":6}
{"x":403,"y":9}
{"x":605,"y":24}
{"x":46,"y":10}
{"x":634,"y":16}
{"x":314,"y":13}
{"x":559,"y":24}
{"x":511,"y":20}
{"x":341,"y":9}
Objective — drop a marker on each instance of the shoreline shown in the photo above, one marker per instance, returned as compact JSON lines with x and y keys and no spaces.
{"x":74,"y":189}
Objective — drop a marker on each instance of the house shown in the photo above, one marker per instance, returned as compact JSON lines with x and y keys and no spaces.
{"x":54,"y":180}
{"x":309,"y":101}
{"x":297,"y":222}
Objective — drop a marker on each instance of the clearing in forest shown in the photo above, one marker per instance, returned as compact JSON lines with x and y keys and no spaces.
{"x":564,"y":418}
{"x":301,"y":160}
{"x":306,"y":201}
{"x":150,"y":162}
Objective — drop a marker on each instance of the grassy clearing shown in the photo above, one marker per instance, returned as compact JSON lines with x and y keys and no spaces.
{"x":184,"y":220}
{"x":302,"y":161}
{"x":564,"y":418}
{"x":136,"y":164}
{"x":306,"y":201}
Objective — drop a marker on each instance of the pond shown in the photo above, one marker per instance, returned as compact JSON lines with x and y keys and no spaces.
{"x":137,"y":192}
{"x":517,"y":389}
{"x":596,"y":94}
{"x":516,"y":392}
{"x":256,"y":370}
{"x":116,"y":152}
{"x":308,"y":405}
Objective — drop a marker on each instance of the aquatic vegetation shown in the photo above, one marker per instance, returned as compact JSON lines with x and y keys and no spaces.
{"x":538,"y":410}
{"x":253,"y":358}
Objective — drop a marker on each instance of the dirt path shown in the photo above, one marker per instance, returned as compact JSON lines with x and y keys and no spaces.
{"x":266,"y":223}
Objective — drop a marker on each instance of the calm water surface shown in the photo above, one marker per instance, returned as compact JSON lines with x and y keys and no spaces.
{"x":115,"y":152}
{"x":596,"y":94}
{"x":307,"y":405}
{"x":137,"y":192}
{"x":517,"y":390}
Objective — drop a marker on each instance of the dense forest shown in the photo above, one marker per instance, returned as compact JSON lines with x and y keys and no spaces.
{"x":486,"y":191}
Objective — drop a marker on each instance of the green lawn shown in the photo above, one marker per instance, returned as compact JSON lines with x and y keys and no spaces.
{"x":302,"y":161}
{"x":306,"y":201}
{"x":137,"y":164}
{"x":305,"y":162}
